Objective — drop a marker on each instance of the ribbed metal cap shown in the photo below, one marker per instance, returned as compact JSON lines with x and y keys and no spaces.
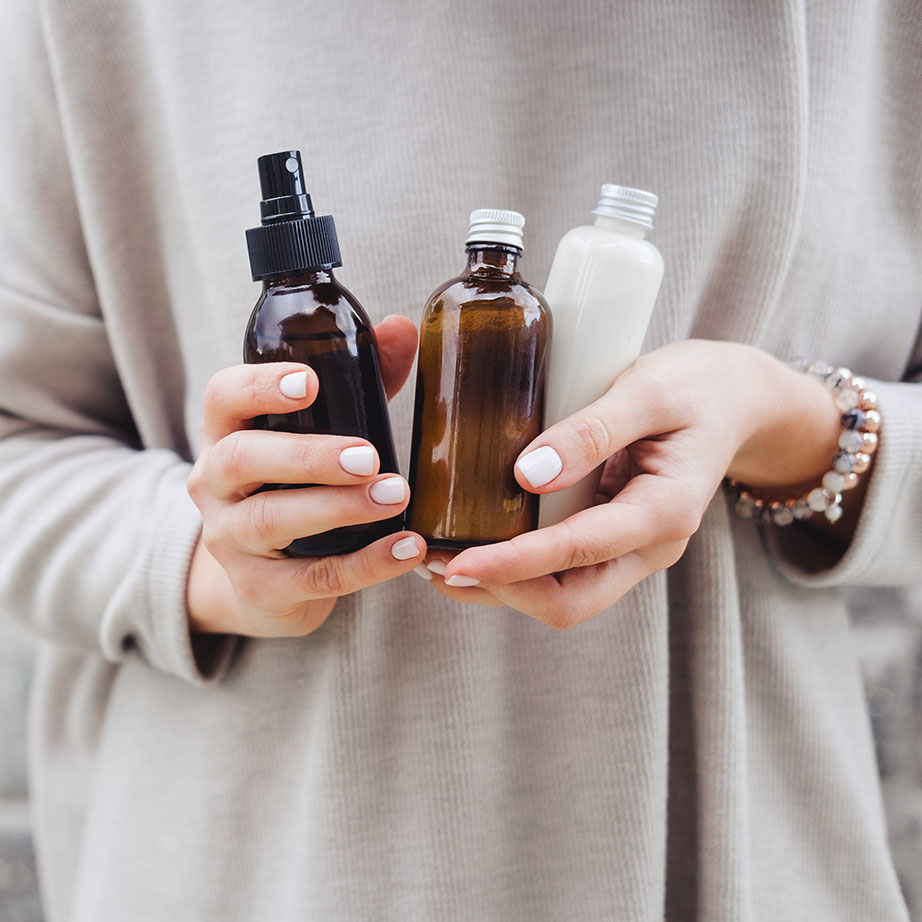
{"x":627,"y":203}
{"x":290,"y":238}
{"x":495,"y":225}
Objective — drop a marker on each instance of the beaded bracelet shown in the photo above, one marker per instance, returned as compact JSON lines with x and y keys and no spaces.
{"x":861,"y":423}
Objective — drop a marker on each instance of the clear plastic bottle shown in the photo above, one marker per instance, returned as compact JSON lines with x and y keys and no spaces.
{"x":601,"y":289}
{"x":479,"y":393}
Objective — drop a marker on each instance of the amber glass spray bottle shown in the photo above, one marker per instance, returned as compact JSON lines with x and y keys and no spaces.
{"x":479,"y":393}
{"x":305,"y":315}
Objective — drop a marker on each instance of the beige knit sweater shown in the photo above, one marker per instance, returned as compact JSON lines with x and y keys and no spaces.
{"x":701,"y":751}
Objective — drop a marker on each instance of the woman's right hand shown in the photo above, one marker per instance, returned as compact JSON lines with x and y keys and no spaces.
{"x":239,"y":581}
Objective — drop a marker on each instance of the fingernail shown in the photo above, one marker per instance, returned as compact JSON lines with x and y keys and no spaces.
{"x":423,"y":572}
{"x":461,"y":581}
{"x":360,"y":459}
{"x":437,"y":566}
{"x":294,"y":385}
{"x":540,"y":466}
{"x":405,"y":549}
{"x":388,"y":492}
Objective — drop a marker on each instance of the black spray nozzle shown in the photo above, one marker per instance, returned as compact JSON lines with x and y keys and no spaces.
{"x":281,"y":178}
{"x":290,"y":237}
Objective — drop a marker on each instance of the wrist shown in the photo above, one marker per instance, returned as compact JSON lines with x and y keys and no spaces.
{"x":796,"y":427}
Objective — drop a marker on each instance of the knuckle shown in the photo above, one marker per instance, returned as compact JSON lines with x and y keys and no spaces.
{"x":591,"y":434}
{"x":232,"y":456}
{"x":582,"y":550}
{"x":195,"y":482}
{"x":260,"y":524}
{"x":326,"y":578}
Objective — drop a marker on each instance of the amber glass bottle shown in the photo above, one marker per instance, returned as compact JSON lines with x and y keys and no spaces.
{"x":479,"y":393}
{"x":305,"y":315}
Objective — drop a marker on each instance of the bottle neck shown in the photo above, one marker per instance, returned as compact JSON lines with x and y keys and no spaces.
{"x":299,"y":278}
{"x":621,"y":226}
{"x":493,"y":259}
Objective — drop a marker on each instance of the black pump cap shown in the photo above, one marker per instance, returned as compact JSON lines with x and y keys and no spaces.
{"x":290,"y":238}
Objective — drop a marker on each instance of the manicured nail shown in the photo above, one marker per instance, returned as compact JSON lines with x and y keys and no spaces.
{"x":461,"y":581}
{"x":388,"y":492}
{"x":405,"y":549}
{"x":437,"y":566}
{"x":360,"y":459}
{"x":540,"y":466}
{"x":423,"y":572}
{"x":294,"y":385}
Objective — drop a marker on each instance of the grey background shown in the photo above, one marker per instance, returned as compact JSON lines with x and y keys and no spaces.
{"x":889,"y":642}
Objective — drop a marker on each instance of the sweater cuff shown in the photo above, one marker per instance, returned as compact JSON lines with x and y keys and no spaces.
{"x":887,"y":544}
{"x":148,"y":612}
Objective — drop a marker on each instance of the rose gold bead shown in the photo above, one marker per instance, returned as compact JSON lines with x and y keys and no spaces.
{"x":870,"y":443}
{"x":868,"y":400}
{"x":851,"y":481}
{"x":862,"y":463}
{"x":871,"y":421}
{"x":859,"y":384}
{"x":844,"y":372}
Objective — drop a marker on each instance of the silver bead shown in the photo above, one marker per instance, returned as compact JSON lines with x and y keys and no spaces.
{"x":868,"y":400}
{"x":851,"y":441}
{"x":833,"y":513}
{"x":871,"y":421}
{"x":833,"y":482}
{"x":851,"y":481}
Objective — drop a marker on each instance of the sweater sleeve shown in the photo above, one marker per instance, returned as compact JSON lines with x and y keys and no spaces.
{"x":97,"y":530}
{"x":886,"y":548}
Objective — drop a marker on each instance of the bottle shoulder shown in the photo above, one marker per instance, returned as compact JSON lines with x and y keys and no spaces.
{"x":605,"y":242}
{"x":468,"y":290}
{"x":326,"y":301}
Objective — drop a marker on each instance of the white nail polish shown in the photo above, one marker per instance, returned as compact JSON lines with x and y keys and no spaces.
{"x":294,"y":385}
{"x":540,"y":466}
{"x":461,"y":581}
{"x":359,"y":459}
{"x":405,"y":549}
{"x":421,"y":570}
{"x":437,"y":566}
{"x":389,"y":492}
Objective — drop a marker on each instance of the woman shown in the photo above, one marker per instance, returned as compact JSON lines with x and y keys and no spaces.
{"x":336,"y":739}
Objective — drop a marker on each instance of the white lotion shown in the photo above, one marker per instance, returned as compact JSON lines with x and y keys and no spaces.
{"x":602,"y":287}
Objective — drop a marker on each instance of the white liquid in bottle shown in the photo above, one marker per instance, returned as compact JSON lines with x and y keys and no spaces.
{"x":602,"y":287}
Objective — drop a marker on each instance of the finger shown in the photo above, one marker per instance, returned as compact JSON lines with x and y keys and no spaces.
{"x":649,"y":511}
{"x":636,"y":406}
{"x":243,"y":461}
{"x":579,"y":595}
{"x":289,"y":581}
{"x":237,"y":394}
{"x":473,"y":596}
{"x":265,"y":522}
{"x":396,"y":336}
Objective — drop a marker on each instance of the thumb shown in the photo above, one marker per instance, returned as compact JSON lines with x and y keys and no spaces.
{"x":396,"y":336}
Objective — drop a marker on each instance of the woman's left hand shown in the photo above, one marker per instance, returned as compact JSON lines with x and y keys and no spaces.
{"x":668,"y":431}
